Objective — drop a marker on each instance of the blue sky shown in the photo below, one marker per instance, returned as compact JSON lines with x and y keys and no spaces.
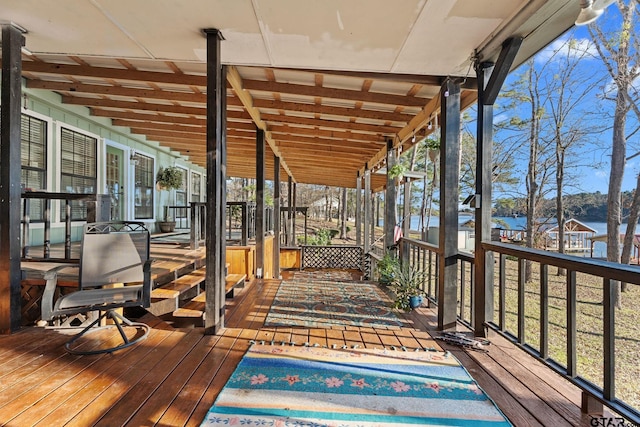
{"x":592,"y":178}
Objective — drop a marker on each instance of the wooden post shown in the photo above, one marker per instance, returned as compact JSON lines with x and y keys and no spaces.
{"x":290,"y":241}
{"x":483,"y":311}
{"x":367,"y":210}
{"x":390,"y":199}
{"x":295,"y":211}
{"x":260,"y":223}
{"x":276,"y":217}
{"x":449,"y":181}
{"x":10,"y":189}
{"x":406,"y":211}
{"x":359,"y":210}
{"x":490,"y":80}
{"x":216,"y":209}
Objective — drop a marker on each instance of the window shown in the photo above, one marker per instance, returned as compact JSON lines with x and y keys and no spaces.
{"x":78,"y":168}
{"x":196,"y":185}
{"x":181,"y":195}
{"x":143,"y":192}
{"x":33,"y":157}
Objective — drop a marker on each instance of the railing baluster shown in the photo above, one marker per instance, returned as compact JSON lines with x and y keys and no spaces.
{"x":472,"y":296}
{"x":67,"y":229}
{"x":462,"y":289}
{"x":26,"y":220}
{"x":47,"y":230}
{"x":544,"y":311}
{"x":609,"y":344}
{"x":521,"y":283}
{"x":571,"y":323}
{"x":502,"y":288}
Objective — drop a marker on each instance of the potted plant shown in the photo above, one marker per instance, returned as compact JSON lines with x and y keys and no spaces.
{"x":168,"y":178}
{"x":407,"y":287}
{"x":386,"y":268}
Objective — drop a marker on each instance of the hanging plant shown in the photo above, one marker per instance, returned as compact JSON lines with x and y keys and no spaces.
{"x":169,"y":178}
{"x":396,"y":171}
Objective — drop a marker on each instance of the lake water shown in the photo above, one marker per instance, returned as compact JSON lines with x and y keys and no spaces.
{"x":599,"y":249}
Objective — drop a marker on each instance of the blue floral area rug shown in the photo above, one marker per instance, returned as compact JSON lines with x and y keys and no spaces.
{"x":287,"y":386}
{"x":326,"y":300}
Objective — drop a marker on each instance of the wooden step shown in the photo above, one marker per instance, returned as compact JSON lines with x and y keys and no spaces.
{"x":188,"y":312}
{"x":201,"y":297}
{"x":180,"y":285}
{"x":161,"y":293}
{"x":233,"y":281}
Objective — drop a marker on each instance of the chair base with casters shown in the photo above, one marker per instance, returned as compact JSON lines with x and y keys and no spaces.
{"x":115,"y":273}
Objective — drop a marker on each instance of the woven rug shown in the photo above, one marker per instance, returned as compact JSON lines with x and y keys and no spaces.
{"x":328,"y":299}
{"x":286,"y":385}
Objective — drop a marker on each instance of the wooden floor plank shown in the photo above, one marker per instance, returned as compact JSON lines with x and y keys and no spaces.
{"x":173,"y":377}
{"x":76,"y":393}
{"x":157,"y":403}
{"x":134,"y":398}
{"x":133,"y":376}
{"x":23,"y":397}
{"x":545,"y":387}
{"x":234,"y":352}
{"x":185,"y":403}
{"x":510,"y":406}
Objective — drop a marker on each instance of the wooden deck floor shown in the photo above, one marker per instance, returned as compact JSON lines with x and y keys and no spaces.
{"x":174,"y":376}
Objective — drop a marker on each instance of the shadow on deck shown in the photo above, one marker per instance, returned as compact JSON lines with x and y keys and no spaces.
{"x":173,"y":377}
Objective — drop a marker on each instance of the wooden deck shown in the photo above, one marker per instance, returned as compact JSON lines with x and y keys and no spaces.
{"x":174,"y":376}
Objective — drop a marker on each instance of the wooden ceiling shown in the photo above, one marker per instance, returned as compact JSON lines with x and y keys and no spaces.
{"x":324,"y":126}
{"x":142,"y":64}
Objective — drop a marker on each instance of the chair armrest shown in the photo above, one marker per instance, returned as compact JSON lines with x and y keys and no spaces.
{"x":146,"y":284}
{"x":46,"y":305}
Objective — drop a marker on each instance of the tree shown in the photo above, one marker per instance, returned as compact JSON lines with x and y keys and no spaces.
{"x":567,"y":90}
{"x":343,"y":215}
{"x":619,"y":53}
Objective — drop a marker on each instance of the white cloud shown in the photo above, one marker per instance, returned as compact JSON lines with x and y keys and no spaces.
{"x":564,"y":46}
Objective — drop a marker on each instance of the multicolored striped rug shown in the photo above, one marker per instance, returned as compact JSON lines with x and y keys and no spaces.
{"x":325,"y":300}
{"x":282,"y":385}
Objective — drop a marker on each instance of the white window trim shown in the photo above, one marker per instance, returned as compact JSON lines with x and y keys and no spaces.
{"x":100,"y":170}
{"x":50,"y":157}
{"x":190,"y":195}
{"x":132,"y":187}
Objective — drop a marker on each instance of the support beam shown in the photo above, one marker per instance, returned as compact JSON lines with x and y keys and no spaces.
{"x":215,"y":241}
{"x":449,"y":181}
{"x":295,"y":209}
{"x":483,"y":310}
{"x":276,"y":217}
{"x":508,"y":53}
{"x":390,"y":198}
{"x":11,"y":91}
{"x":406,"y":211}
{"x":260,"y":211}
{"x":290,"y":241}
{"x":358,"y":210}
{"x":367,"y":210}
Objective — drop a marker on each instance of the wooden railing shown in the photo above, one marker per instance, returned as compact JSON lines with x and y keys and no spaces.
{"x":93,"y":214}
{"x":240,"y":223}
{"x":523,"y":291}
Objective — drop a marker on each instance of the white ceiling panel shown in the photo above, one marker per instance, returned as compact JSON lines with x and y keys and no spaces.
{"x":336,"y":34}
{"x":69,"y":26}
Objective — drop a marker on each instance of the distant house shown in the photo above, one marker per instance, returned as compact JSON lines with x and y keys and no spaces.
{"x":577,"y":237}
{"x":635,"y":258}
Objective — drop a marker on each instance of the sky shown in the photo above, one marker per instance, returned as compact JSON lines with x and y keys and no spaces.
{"x":591,"y":178}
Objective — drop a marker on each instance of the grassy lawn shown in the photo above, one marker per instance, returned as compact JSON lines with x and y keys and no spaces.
{"x":589,"y":340}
